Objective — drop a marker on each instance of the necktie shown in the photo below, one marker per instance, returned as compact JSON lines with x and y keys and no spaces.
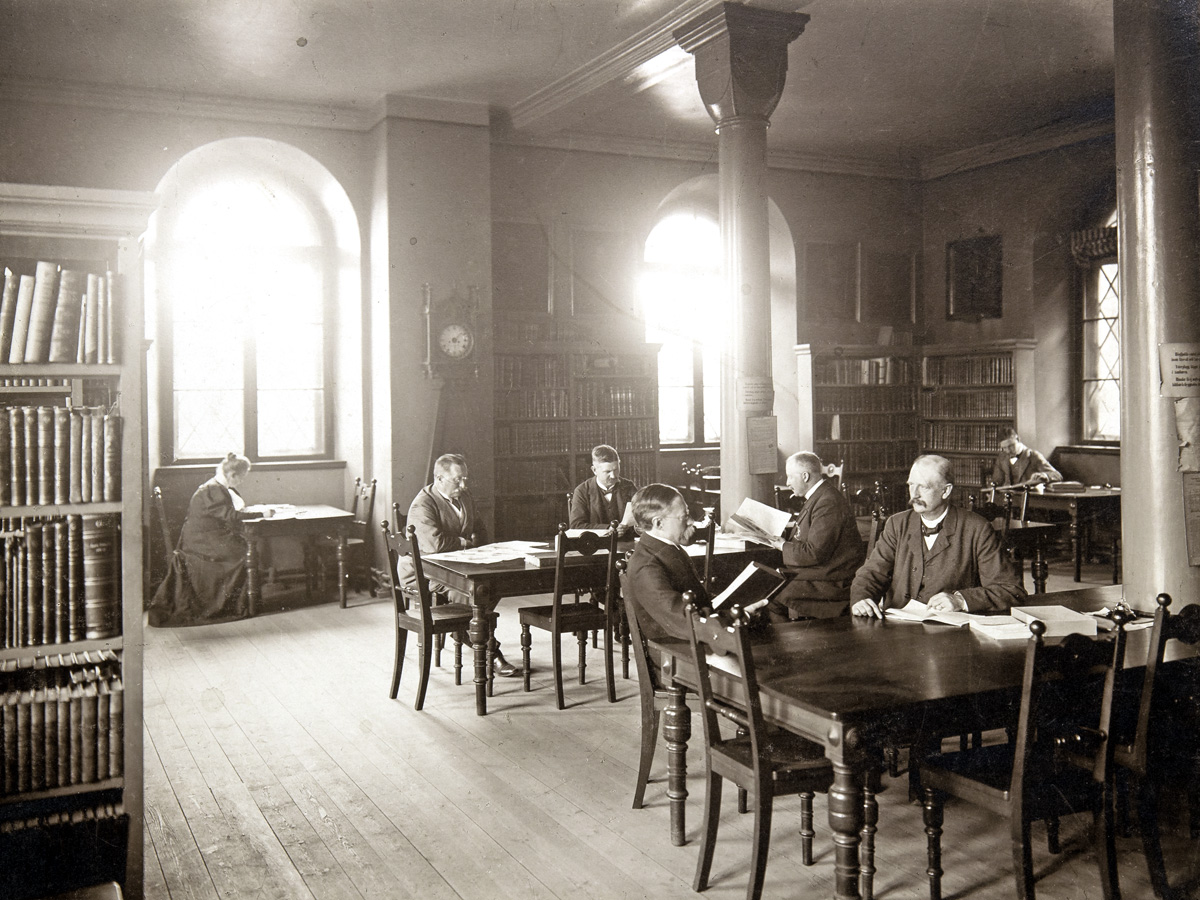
{"x":930,"y":530}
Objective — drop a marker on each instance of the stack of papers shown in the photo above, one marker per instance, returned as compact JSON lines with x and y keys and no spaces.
{"x":1059,"y":620}
{"x":1000,"y":628}
{"x":504,"y":551}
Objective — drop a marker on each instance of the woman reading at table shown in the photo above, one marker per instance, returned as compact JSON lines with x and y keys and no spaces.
{"x":207,"y":578}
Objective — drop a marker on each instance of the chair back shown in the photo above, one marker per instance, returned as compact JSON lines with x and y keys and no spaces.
{"x":1183,"y":627}
{"x":833,"y":471}
{"x":710,"y":542}
{"x":785,"y":499}
{"x":586,"y":544}
{"x":168,"y":543}
{"x":400,"y":545}
{"x":647,"y":671}
{"x":362,"y":506}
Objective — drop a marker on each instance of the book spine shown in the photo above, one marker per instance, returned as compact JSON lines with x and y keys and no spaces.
{"x":64,"y":332}
{"x":33,"y":584}
{"x":103,"y":726}
{"x":45,"y":469}
{"x":29,"y":435}
{"x":62,"y":627}
{"x":8,"y":311}
{"x":88,"y":738}
{"x":16,"y":455}
{"x":64,"y":736}
{"x":76,"y":734}
{"x":112,"y":458}
{"x":41,"y":314}
{"x":111,"y":315}
{"x":97,"y":456}
{"x":51,"y":733}
{"x":75,"y":577}
{"x":91,"y":331}
{"x":18,"y":583}
{"x":16,"y":352}
{"x":9,"y":725}
{"x":85,"y":456}
{"x":75,"y":457}
{"x":6,"y":628}
{"x":24,"y":702}
{"x":116,"y":730}
{"x":49,"y":586}
{"x":62,"y":454}
{"x":5,"y":460}
{"x":100,"y":567}
{"x":37,"y":741}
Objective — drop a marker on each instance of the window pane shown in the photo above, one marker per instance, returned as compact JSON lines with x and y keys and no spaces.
{"x":290,"y":357}
{"x":1102,"y":411}
{"x":675,"y":414}
{"x":1102,"y":294}
{"x":712,"y":413}
{"x":1102,"y":349}
{"x":291,"y":422}
{"x":208,"y":423}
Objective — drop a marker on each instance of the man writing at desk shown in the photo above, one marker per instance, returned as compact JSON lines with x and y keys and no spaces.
{"x":443,"y":514}
{"x":824,"y":549}
{"x":946,"y":557}
{"x":1018,"y":464}
{"x":605,"y":497}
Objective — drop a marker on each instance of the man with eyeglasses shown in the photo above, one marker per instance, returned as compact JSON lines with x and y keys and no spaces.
{"x":603,"y":498}
{"x":443,"y":514}
{"x":946,"y":557}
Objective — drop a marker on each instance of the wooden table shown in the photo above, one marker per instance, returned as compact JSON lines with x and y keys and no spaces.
{"x":485,"y":584}
{"x":1086,"y":506}
{"x":1027,"y":541}
{"x":855,"y":685}
{"x":305,"y":521}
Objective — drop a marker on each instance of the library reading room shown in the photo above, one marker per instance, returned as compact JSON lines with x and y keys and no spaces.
{"x":600,"y":450}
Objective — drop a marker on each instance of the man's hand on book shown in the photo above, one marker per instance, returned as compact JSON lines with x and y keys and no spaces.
{"x":947,"y":602}
{"x":872,"y":609}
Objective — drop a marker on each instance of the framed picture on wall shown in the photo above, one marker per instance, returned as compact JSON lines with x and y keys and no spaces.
{"x":974,"y":268}
{"x":831,"y":282}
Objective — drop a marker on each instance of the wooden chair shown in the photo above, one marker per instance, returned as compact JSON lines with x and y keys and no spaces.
{"x":359,"y":543}
{"x":173,"y":560}
{"x":1059,"y":763}
{"x":710,"y":542}
{"x":1165,"y":749}
{"x":766,"y":764}
{"x":574,"y":618}
{"x":415,"y":612}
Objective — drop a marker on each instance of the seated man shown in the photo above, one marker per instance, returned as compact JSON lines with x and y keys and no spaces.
{"x":660,"y":570}
{"x":605,"y":497}
{"x":946,"y":557}
{"x":1017,"y":464}
{"x":824,"y":549}
{"x":443,"y":514}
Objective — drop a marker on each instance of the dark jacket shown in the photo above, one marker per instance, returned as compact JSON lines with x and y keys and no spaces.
{"x":657,"y":576}
{"x":1030,"y":466}
{"x":824,"y":552}
{"x":966,"y":557}
{"x":587,"y":503}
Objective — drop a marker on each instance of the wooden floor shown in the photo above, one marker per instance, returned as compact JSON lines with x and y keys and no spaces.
{"x":276,"y":767}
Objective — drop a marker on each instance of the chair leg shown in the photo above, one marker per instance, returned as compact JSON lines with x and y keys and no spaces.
{"x":708,"y":838}
{"x":458,"y":645}
{"x":1052,"y":842}
{"x":526,"y":643}
{"x":1105,"y":836}
{"x":398,"y":665}
{"x":426,"y":659}
{"x":623,"y":630}
{"x":761,"y":842}
{"x":609,"y":677}
{"x":646,"y":758}
{"x":866,"y":878}
{"x":556,"y":656}
{"x":806,"y":828}
{"x":1022,"y":848}
{"x":581,"y":637}
{"x":1151,"y":844}
{"x":439,"y":641}
{"x":932,"y":816}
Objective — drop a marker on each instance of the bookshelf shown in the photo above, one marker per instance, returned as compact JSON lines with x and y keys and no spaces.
{"x":858,"y":406}
{"x":968,"y":394}
{"x":71,"y":473}
{"x":554,"y":402}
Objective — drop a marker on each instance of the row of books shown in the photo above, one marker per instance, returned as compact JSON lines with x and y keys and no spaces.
{"x":972,"y":437}
{"x":531,"y":371}
{"x":59,"y":454}
{"x":510,"y":330}
{"x":34,"y":382}
{"x":638,"y":365}
{"x":98,"y":812}
{"x":533,"y":437}
{"x":537,"y":476}
{"x":58,"y":315}
{"x":967,"y":404}
{"x":624,"y":435}
{"x":951,"y":370}
{"x":880,"y":370}
{"x":892,"y":398}
{"x":606,"y":399}
{"x":51,"y":662}
{"x":60,"y":580}
{"x":640,"y":468}
{"x":968,"y":472}
{"x":527,"y":517}
{"x":63,"y":735}
{"x":890,"y":454}
{"x":849,"y":427}
{"x":549,"y":403}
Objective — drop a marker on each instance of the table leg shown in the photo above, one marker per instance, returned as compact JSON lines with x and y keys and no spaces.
{"x":478,"y":633}
{"x":252,"y":580}
{"x":1039,"y":569}
{"x":340,"y":553}
{"x":846,"y":821}
{"x":1076,"y":539}
{"x":677,"y":729}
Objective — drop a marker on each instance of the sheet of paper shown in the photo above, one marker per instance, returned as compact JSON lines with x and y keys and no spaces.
{"x":489,"y":553}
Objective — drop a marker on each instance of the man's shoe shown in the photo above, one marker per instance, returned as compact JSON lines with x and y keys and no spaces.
{"x":504,"y":668}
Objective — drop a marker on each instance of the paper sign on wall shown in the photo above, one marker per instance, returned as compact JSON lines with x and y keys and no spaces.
{"x":762,"y":439}
{"x":1179,"y":370}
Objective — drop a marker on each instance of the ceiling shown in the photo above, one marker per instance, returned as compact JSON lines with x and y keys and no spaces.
{"x":908,"y":87}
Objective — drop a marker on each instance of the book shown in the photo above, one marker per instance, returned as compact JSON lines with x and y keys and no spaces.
{"x":97,"y":457}
{"x":1000,"y":628}
{"x":75,"y":625}
{"x":101,"y":598}
{"x":1059,"y":620}
{"x":916,"y":611}
{"x":41,"y":313}
{"x":111,"y":481}
{"x":20,"y":333}
{"x":16,"y":455}
{"x":1064,"y":487}
{"x":112,"y":345}
{"x":91,"y":310}
{"x":759,"y":522}
{"x":8,"y":311}
{"x":753,"y":584}
{"x":45,"y":457}
{"x":64,"y":332}
{"x":62,"y":451}
{"x":29,"y":454}
{"x":5,"y":461}
{"x":85,"y":455}
{"x":75,"y":457}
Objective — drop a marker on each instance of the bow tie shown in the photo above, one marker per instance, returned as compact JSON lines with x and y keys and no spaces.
{"x":930,"y":530}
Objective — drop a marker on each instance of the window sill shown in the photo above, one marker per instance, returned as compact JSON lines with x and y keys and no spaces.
{"x":298,"y":465}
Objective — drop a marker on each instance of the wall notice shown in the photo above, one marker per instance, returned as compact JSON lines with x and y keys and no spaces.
{"x":762,"y":439}
{"x":1179,"y":369}
{"x":1191,"y":515}
{"x":756,"y":392}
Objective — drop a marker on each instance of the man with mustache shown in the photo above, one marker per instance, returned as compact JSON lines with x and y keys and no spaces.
{"x":946,"y":557}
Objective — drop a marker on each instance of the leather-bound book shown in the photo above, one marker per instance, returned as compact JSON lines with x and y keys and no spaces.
{"x":41,"y":314}
{"x":37,"y":741}
{"x":116,"y":729}
{"x":62,"y":454}
{"x":5,"y":460}
{"x":85,"y":456}
{"x":101,"y":597}
{"x":76,"y":733}
{"x":75,"y":578}
{"x":64,"y":335}
{"x":29,"y":435}
{"x":112,"y":316}
{"x":8,"y":311}
{"x":51,"y":712}
{"x":61,"y":574}
{"x":75,"y":457}
{"x":103,"y":750}
{"x":64,"y":736}
{"x":45,"y":458}
{"x":20,"y":334}
{"x":16,"y":455}
{"x":49,"y":586}
{"x":87,"y":740}
{"x":33,"y":584}
{"x":91,"y":330}
{"x":97,"y":455}
{"x":17,"y":582}
{"x":23,"y":737}
{"x":112,"y":458}
{"x":8,"y":713}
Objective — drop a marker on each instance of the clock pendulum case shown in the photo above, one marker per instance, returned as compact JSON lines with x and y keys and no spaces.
{"x":451,"y":335}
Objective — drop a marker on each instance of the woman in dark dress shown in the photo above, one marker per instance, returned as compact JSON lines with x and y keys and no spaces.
{"x":207,"y":578}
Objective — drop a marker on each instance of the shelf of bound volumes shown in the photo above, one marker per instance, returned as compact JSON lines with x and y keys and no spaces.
{"x":70,"y":513}
{"x":554,"y":402}
{"x":858,"y":408}
{"x":969,"y":395}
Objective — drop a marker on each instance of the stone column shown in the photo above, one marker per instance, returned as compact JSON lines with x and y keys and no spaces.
{"x":1157,"y":133}
{"x":741,"y":66}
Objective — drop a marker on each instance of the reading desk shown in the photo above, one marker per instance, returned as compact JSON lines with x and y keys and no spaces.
{"x":304,"y":521}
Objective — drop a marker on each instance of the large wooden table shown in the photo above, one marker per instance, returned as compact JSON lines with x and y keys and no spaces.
{"x":304,"y":521}
{"x":855,"y":685}
{"x":1084,"y":507}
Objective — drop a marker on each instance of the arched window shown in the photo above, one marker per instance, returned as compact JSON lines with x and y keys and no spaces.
{"x":1100,"y":326}
{"x":681,"y":290}
{"x":244,"y":271}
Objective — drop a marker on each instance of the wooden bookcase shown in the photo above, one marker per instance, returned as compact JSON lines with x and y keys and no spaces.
{"x":858,"y":407}
{"x":968,"y":394}
{"x":71,"y":820}
{"x":554,"y":402}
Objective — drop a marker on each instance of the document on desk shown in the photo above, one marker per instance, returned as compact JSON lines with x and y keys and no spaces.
{"x":503,"y":551}
{"x":916,"y":611}
{"x":273,"y":510}
{"x":758,"y":522}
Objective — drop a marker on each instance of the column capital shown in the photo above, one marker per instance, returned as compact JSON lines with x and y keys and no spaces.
{"x":741,"y":57}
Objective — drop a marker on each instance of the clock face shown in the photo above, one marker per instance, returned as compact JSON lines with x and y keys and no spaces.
{"x":456,"y":341}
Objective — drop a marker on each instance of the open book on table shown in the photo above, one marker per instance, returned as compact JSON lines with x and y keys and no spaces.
{"x":753,"y":584}
{"x":756,"y":521}
{"x":916,"y":611}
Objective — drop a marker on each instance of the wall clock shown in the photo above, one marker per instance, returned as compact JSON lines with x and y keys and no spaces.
{"x":451,"y":335}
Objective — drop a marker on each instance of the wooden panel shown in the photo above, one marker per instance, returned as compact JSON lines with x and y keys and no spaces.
{"x":831,"y":281}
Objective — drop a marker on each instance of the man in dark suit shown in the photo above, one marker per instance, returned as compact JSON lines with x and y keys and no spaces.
{"x":603,"y":498}
{"x":659,"y":569}
{"x":824,"y":549}
{"x":1019,"y":464}
{"x":443,"y":514}
{"x":946,"y":557}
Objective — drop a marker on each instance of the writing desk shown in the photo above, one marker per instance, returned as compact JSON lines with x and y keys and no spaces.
{"x":1088,"y":505}
{"x":305,"y":521}
{"x":855,"y":685}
